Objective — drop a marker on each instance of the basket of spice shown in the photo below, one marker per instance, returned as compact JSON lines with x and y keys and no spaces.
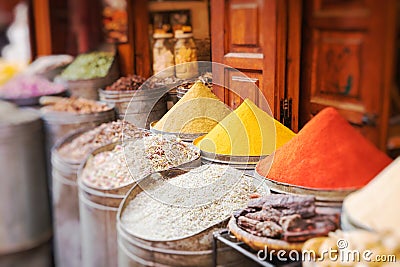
{"x":243,"y":137}
{"x":50,"y":66}
{"x":192,"y":116}
{"x":67,"y":156}
{"x":281,"y":222}
{"x":328,"y":158}
{"x":89,"y":72}
{"x":106,"y":177}
{"x":169,"y":217}
{"x":25,"y":90}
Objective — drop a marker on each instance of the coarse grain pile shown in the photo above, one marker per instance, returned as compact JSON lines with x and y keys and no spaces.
{"x":77,"y":106}
{"x":128,"y":83}
{"x":151,"y":217}
{"x":247,"y":131}
{"x":376,"y":205}
{"x":198,"y":111}
{"x":80,"y":147}
{"x":113,"y":169}
{"x":326,"y":154}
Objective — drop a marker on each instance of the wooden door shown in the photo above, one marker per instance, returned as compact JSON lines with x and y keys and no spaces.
{"x":243,"y":32}
{"x":348,"y":53}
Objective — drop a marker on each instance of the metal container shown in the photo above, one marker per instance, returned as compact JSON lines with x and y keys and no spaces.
{"x":25,"y":222}
{"x":140,"y":107}
{"x":98,"y":209}
{"x":39,"y":256}
{"x":67,"y":239}
{"x":60,"y":124}
{"x":194,"y":250}
{"x":88,"y":88}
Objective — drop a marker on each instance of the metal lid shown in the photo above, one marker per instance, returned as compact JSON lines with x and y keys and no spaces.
{"x":181,"y":34}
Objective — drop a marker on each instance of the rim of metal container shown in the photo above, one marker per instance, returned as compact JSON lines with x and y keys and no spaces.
{"x":15,"y":129}
{"x":184,"y":136}
{"x":111,"y":192}
{"x":320,"y":194}
{"x":58,"y":117}
{"x":131,"y":195}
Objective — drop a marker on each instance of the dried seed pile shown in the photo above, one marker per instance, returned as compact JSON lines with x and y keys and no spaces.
{"x":128,"y":83}
{"x":168,"y":214}
{"x":111,"y":169}
{"x":80,"y":147}
{"x":78,"y":106}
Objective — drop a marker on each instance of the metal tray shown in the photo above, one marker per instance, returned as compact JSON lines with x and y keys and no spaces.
{"x":329,"y":197}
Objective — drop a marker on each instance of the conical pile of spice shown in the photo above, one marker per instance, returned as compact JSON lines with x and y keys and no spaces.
{"x":198,"y":111}
{"x":376,"y":205}
{"x":248,"y":131}
{"x":328,"y":153}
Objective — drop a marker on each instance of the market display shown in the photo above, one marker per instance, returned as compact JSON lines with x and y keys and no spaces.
{"x":185,"y":51}
{"x":129,"y":83}
{"x":29,"y":86}
{"x":74,"y":105}
{"x":80,"y":147}
{"x":381,"y":214}
{"x":328,"y":153}
{"x":247,"y":131}
{"x":354,"y":248}
{"x":89,"y":66}
{"x":163,"y":56}
{"x":198,"y":111}
{"x":152,"y":219}
{"x":285,"y":217}
{"x":112,"y":169}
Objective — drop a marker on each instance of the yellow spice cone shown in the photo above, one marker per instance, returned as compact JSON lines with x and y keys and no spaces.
{"x":198,"y":111}
{"x":248,"y":131}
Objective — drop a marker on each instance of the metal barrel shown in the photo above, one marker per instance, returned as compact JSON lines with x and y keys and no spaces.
{"x":25,"y":222}
{"x":189,"y":251}
{"x":98,"y":209}
{"x":65,"y":206}
{"x":88,"y":88}
{"x":139,"y":107}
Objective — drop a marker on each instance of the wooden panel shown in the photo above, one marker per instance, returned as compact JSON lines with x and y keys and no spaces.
{"x":242,"y":85}
{"x":344,"y":62}
{"x":41,"y":18}
{"x":245,"y":19}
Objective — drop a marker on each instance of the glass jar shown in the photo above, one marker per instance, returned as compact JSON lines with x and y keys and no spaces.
{"x":185,"y":52}
{"x":163,"y":56}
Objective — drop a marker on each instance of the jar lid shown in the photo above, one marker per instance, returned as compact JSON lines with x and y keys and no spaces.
{"x":181,"y":34}
{"x":162,"y":35}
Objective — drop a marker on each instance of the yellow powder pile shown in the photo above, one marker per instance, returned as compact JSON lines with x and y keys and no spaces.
{"x":198,"y":111}
{"x":248,"y":131}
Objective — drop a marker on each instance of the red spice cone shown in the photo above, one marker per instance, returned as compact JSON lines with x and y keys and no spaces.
{"x":328,"y":153}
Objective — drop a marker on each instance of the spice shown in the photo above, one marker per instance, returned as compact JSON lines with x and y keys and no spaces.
{"x":28,"y":86}
{"x":77,"y":105}
{"x":89,"y":66}
{"x":376,"y":205}
{"x":150,"y":217}
{"x":113,"y":169}
{"x":128,"y":83}
{"x":326,"y":154}
{"x":197,"y":112}
{"x":163,"y":57}
{"x":247,"y":131}
{"x":80,"y":147}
